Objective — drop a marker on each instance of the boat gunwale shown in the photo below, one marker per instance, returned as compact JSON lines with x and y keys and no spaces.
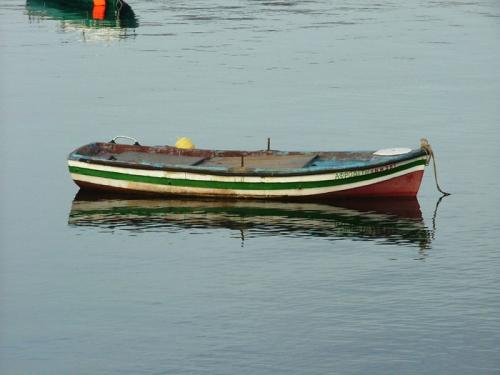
{"x":242,"y":172}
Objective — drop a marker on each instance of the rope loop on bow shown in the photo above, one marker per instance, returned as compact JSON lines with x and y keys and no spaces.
{"x":424,"y":144}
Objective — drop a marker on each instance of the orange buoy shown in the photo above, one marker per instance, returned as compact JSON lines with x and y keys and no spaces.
{"x":99,"y":10}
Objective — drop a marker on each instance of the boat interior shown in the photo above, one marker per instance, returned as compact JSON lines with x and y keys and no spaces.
{"x":168,"y":156}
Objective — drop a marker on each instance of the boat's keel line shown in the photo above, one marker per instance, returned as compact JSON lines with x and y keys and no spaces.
{"x":124,"y":182}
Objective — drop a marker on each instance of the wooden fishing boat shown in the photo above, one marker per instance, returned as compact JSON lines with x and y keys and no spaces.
{"x":265,"y":174}
{"x":91,"y":13}
{"x":85,"y":4}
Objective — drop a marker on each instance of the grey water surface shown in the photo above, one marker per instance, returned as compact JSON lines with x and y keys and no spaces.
{"x":118,"y":286}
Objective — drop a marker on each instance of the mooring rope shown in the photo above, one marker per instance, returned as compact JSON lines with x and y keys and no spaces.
{"x":424,"y":143}
{"x":118,"y":8}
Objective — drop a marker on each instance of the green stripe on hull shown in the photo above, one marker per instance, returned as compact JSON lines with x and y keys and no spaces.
{"x":240,"y":185}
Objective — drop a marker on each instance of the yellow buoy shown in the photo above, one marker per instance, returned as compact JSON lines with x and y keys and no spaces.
{"x":184,"y":142}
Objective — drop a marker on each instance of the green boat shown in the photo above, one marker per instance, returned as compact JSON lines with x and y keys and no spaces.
{"x":88,"y":13}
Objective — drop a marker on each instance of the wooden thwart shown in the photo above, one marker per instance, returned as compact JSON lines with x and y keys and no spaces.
{"x":261,"y":161}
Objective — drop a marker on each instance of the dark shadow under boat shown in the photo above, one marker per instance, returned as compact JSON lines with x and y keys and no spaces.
{"x":83,"y":15}
{"x":397,"y":222}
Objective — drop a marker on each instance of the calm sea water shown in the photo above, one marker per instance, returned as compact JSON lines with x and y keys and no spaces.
{"x":113,"y":286}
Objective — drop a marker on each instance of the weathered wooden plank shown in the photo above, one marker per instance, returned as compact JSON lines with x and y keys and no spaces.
{"x":261,"y":161}
{"x":157,"y":158}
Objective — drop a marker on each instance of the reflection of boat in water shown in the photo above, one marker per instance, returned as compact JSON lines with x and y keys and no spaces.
{"x":85,"y":15}
{"x":390,"y":222}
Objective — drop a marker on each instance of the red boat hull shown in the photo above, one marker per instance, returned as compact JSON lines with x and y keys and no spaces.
{"x":405,"y":186}
{"x":402,"y":186}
